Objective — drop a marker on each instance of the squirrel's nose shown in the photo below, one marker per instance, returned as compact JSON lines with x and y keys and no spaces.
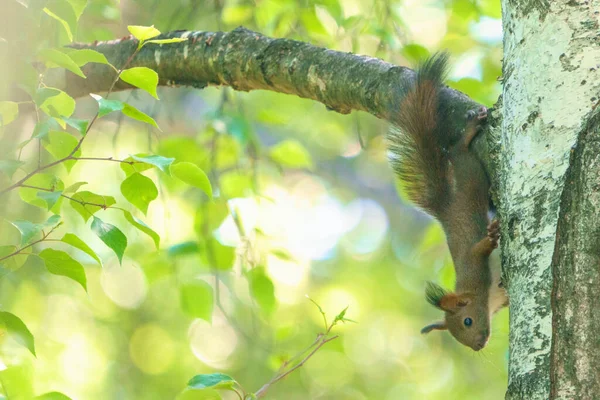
{"x":482,"y":340}
{"x":478,"y":346}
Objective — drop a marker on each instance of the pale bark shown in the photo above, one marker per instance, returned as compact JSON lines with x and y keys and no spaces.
{"x":551,"y":85}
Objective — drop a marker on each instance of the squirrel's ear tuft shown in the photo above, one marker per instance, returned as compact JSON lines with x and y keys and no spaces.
{"x":440,"y":326}
{"x":434,"y":294}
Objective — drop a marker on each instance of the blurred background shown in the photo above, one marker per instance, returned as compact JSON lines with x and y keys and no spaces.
{"x":305,"y":204}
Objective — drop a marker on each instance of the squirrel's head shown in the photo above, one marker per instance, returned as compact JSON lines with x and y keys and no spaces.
{"x":467,"y":316}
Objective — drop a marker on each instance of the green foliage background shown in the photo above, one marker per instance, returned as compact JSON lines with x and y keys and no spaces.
{"x":272,"y":196}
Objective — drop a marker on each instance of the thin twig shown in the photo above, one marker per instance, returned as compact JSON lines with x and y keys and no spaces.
{"x":263,"y":390}
{"x":301,"y":353}
{"x":83,"y":203}
{"x":18,"y":251}
{"x":79,"y":143}
{"x":105,"y":159}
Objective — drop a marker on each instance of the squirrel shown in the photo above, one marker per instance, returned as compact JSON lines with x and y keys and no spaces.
{"x":448,"y":181}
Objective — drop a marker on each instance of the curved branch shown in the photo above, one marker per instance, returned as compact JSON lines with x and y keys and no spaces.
{"x":246,"y":60}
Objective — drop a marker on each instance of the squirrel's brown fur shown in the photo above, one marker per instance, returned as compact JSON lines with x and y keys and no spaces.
{"x":449,"y":182}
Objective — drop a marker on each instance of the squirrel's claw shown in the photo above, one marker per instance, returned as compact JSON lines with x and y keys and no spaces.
{"x":479,"y":114}
{"x":482,"y":113}
{"x":493,"y":230}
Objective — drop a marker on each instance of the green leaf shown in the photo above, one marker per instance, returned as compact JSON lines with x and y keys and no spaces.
{"x":167,"y":41}
{"x":106,"y":106}
{"x":17,"y":330}
{"x":9,"y":167}
{"x":43,"y":127}
{"x":213,"y":381}
{"x":60,"y":263}
{"x":80,"y":124}
{"x":262,"y":290}
{"x":291,"y":154}
{"x":87,"y":203}
{"x":28,"y":230}
{"x":196,"y":299}
{"x":342,"y":317}
{"x":131,"y":166}
{"x":9,"y":110}
{"x":160,"y":162}
{"x":55,"y":58}
{"x":76,"y":242}
{"x":44,"y":181}
{"x":134,"y":167}
{"x":136,"y":114}
{"x":52,"y":221}
{"x":54,"y":102}
{"x":61,"y":145}
{"x":192,"y":175}
{"x":222,"y":256}
{"x":210,"y":217}
{"x":17,"y":379}
{"x":184,"y":248}
{"x":312,"y":23}
{"x":74,"y":187}
{"x":235,"y":184}
{"x":183,"y":148}
{"x":51,"y":198}
{"x":111,"y":236}
{"x":12,"y":263}
{"x":64,"y":23}
{"x":143,"y":78}
{"x":52,"y":396}
{"x":143,"y":33}
{"x":139,"y":224}
{"x":415,"y":52}
{"x":84,"y":56}
{"x":139,"y":190}
{"x":78,"y":6}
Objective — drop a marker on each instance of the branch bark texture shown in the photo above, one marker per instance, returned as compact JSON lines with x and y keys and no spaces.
{"x":246,"y":60}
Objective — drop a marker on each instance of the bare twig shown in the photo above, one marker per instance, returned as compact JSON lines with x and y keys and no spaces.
{"x":130,"y":162}
{"x":321,"y":342}
{"x":83,"y":203}
{"x":18,"y":251}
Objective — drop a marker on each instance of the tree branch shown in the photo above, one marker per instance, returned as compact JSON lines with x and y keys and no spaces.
{"x":246,"y":60}
{"x":321,"y":341}
{"x":20,"y":250}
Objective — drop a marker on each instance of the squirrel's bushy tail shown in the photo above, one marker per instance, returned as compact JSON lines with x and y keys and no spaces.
{"x":417,"y":142}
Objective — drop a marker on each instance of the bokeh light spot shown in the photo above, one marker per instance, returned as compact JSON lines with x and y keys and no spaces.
{"x":151,"y":349}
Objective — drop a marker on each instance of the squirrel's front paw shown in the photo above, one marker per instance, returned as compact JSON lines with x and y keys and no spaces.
{"x":479,"y":114}
{"x":493,"y":231}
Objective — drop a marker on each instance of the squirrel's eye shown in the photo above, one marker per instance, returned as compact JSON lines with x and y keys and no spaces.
{"x":468,"y":322}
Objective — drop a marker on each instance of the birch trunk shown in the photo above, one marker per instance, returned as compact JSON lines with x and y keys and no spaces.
{"x":548,"y":177}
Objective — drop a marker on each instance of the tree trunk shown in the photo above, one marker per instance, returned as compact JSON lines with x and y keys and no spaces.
{"x":548,"y":177}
